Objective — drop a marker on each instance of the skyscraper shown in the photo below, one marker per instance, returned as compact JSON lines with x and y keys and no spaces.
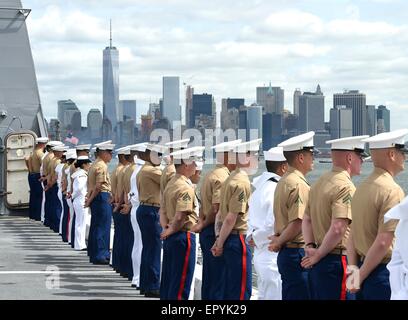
{"x":111,"y":111}
{"x":341,"y":125}
{"x":202,"y":105}
{"x":171,"y":99}
{"x":357,"y":102}
{"x":128,"y":109}
{"x":254,"y":122}
{"x":371,"y":120}
{"x":383,"y":119}
{"x":270,"y":98}
{"x":311,"y":111}
{"x":296,"y":96}
{"x":94,"y":122}
{"x":189,"y":105}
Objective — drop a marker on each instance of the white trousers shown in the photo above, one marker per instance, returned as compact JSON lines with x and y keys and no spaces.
{"x":62,"y":211}
{"x":269,"y":279}
{"x":196,"y":271}
{"x":137,"y":245}
{"x":71,"y":217}
{"x":80,"y":223}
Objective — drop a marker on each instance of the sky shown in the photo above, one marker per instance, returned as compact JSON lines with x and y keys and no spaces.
{"x":226,"y":48}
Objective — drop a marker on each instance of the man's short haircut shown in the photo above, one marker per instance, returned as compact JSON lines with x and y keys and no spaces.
{"x":273,"y":166}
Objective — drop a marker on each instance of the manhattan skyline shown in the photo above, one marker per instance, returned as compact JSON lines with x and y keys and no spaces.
{"x":350,"y":45}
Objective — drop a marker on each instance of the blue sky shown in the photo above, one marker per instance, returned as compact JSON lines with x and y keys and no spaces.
{"x":226,"y":48}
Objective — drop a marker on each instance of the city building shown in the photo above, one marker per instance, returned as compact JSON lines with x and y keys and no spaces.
{"x":94,"y":123}
{"x":271,"y":98}
{"x":69,"y":117}
{"x":383,"y":119}
{"x":254,"y":122}
{"x":154,"y":111}
{"x":189,"y":106}
{"x":126,"y":132}
{"x":371,"y":120}
{"x":230,"y":119}
{"x":54,"y":129}
{"x":296,"y":96}
{"x":320,"y":139}
{"x":356,"y":101}
{"x":311,"y":111}
{"x":128,"y":109}
{"x":203,"y":105}
{"x":146,"y":127}
{"x":171,"y":99}
{"x":341,"y":122}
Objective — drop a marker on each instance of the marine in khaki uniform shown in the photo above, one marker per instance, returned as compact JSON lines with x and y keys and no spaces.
{"x":148,"y":218}
{"x":213,"y":268}
{"x":179,"y":246}
{"x":290,"y":202}
{"x":36,"y":190}
{"x":328,"y":216}
{"x":231,"y":240}
{"x":371,"y":241}
{"x":116,"y":250}
{"x":100,"y":202}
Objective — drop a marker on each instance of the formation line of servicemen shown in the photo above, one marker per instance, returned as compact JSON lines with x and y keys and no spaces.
{"x":330,"y":240}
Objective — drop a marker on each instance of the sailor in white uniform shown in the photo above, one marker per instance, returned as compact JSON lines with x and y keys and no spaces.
{"x":79,"y":191}
{"x":134,"y":200}
{"x":58,"y":170}
{"x":261,"y":225}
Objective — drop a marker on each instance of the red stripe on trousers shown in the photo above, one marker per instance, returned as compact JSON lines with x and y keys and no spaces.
{"x":343,"y":281}
{"x":185,"y":266}
{"x":244,"y":268}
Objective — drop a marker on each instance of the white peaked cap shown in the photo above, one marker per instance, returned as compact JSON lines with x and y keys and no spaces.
{"x":141,"y":147}
{"x":194,"y":153}
{"x":102,"y":143}
{"x":178,"y":144}
{"x":83,"y":147}
{"x":274,"y":154}
{"x":71,"y":154}
{"x":41,"y":140}
{"x":60,"y":148}
{"x":226,"y":146}
{"x":83,"y":158}
{"x":157,"y":148}
{"x":54,"y":143}
{"x":388,"y":139}
{"x":244,"y":147}
{"x":124,"y":151}
{"x":199,"y":165}
{"x":299,"y":142}
{"x":349,"y":143}
{"x":106,"y":147}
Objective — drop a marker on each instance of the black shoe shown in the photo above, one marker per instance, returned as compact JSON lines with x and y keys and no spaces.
{"x":152,"y":294}
{"x":142,"y":291}
{"x":101,"y":262}
{"x":134,"y":286}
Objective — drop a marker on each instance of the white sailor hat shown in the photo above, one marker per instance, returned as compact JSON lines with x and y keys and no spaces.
{"x":141,"y":147}
{"x":106,"y":147}
{"x":274,"y":154}
{"x":60,"y":148}
{"x":393,"y":139}
{"x":157,"y":148}
{"x":71,"y":154}
{"x":124,"y":151}
{"x":300,"y":142}
{"x":179,"y":144}
{"x":349,"y":143}
{"x":199,"y":165}
{"x":245,"y":147}
{"x":193,"y":154}
{"x":83,"y":147}
{"x":226,"y":146}
{"x":84,"y":159}
{"x":54,"y":143}
{"x":41,"y":140}
{"x":102,"y":143}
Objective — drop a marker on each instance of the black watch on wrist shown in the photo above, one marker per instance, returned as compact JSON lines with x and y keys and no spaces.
{"x":311,"y":244}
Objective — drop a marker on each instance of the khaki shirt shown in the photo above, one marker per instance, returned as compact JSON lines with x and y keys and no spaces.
{"x":169,"y":172}
{"x":330,"y":198}
{"x":211,"y":188}
{"x":373,"y":198}
{"x":290,"y":200}
{"x":120,"y":178}
{"x":127,"y":174}
{"x":99,"y":174}
{"x":46,"y":162}
{"x":179,"y":196}
{"x":148,"y":184}
{"x":235,"y":194}
{"x":114,"y":177}
{"x":35,"y":160}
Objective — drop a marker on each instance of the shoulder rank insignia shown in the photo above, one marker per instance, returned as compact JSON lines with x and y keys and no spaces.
{"x":347,"y":199}
{"x":241,"y":197}
{"x":299,"y":201}
{"x":186,"y":197}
